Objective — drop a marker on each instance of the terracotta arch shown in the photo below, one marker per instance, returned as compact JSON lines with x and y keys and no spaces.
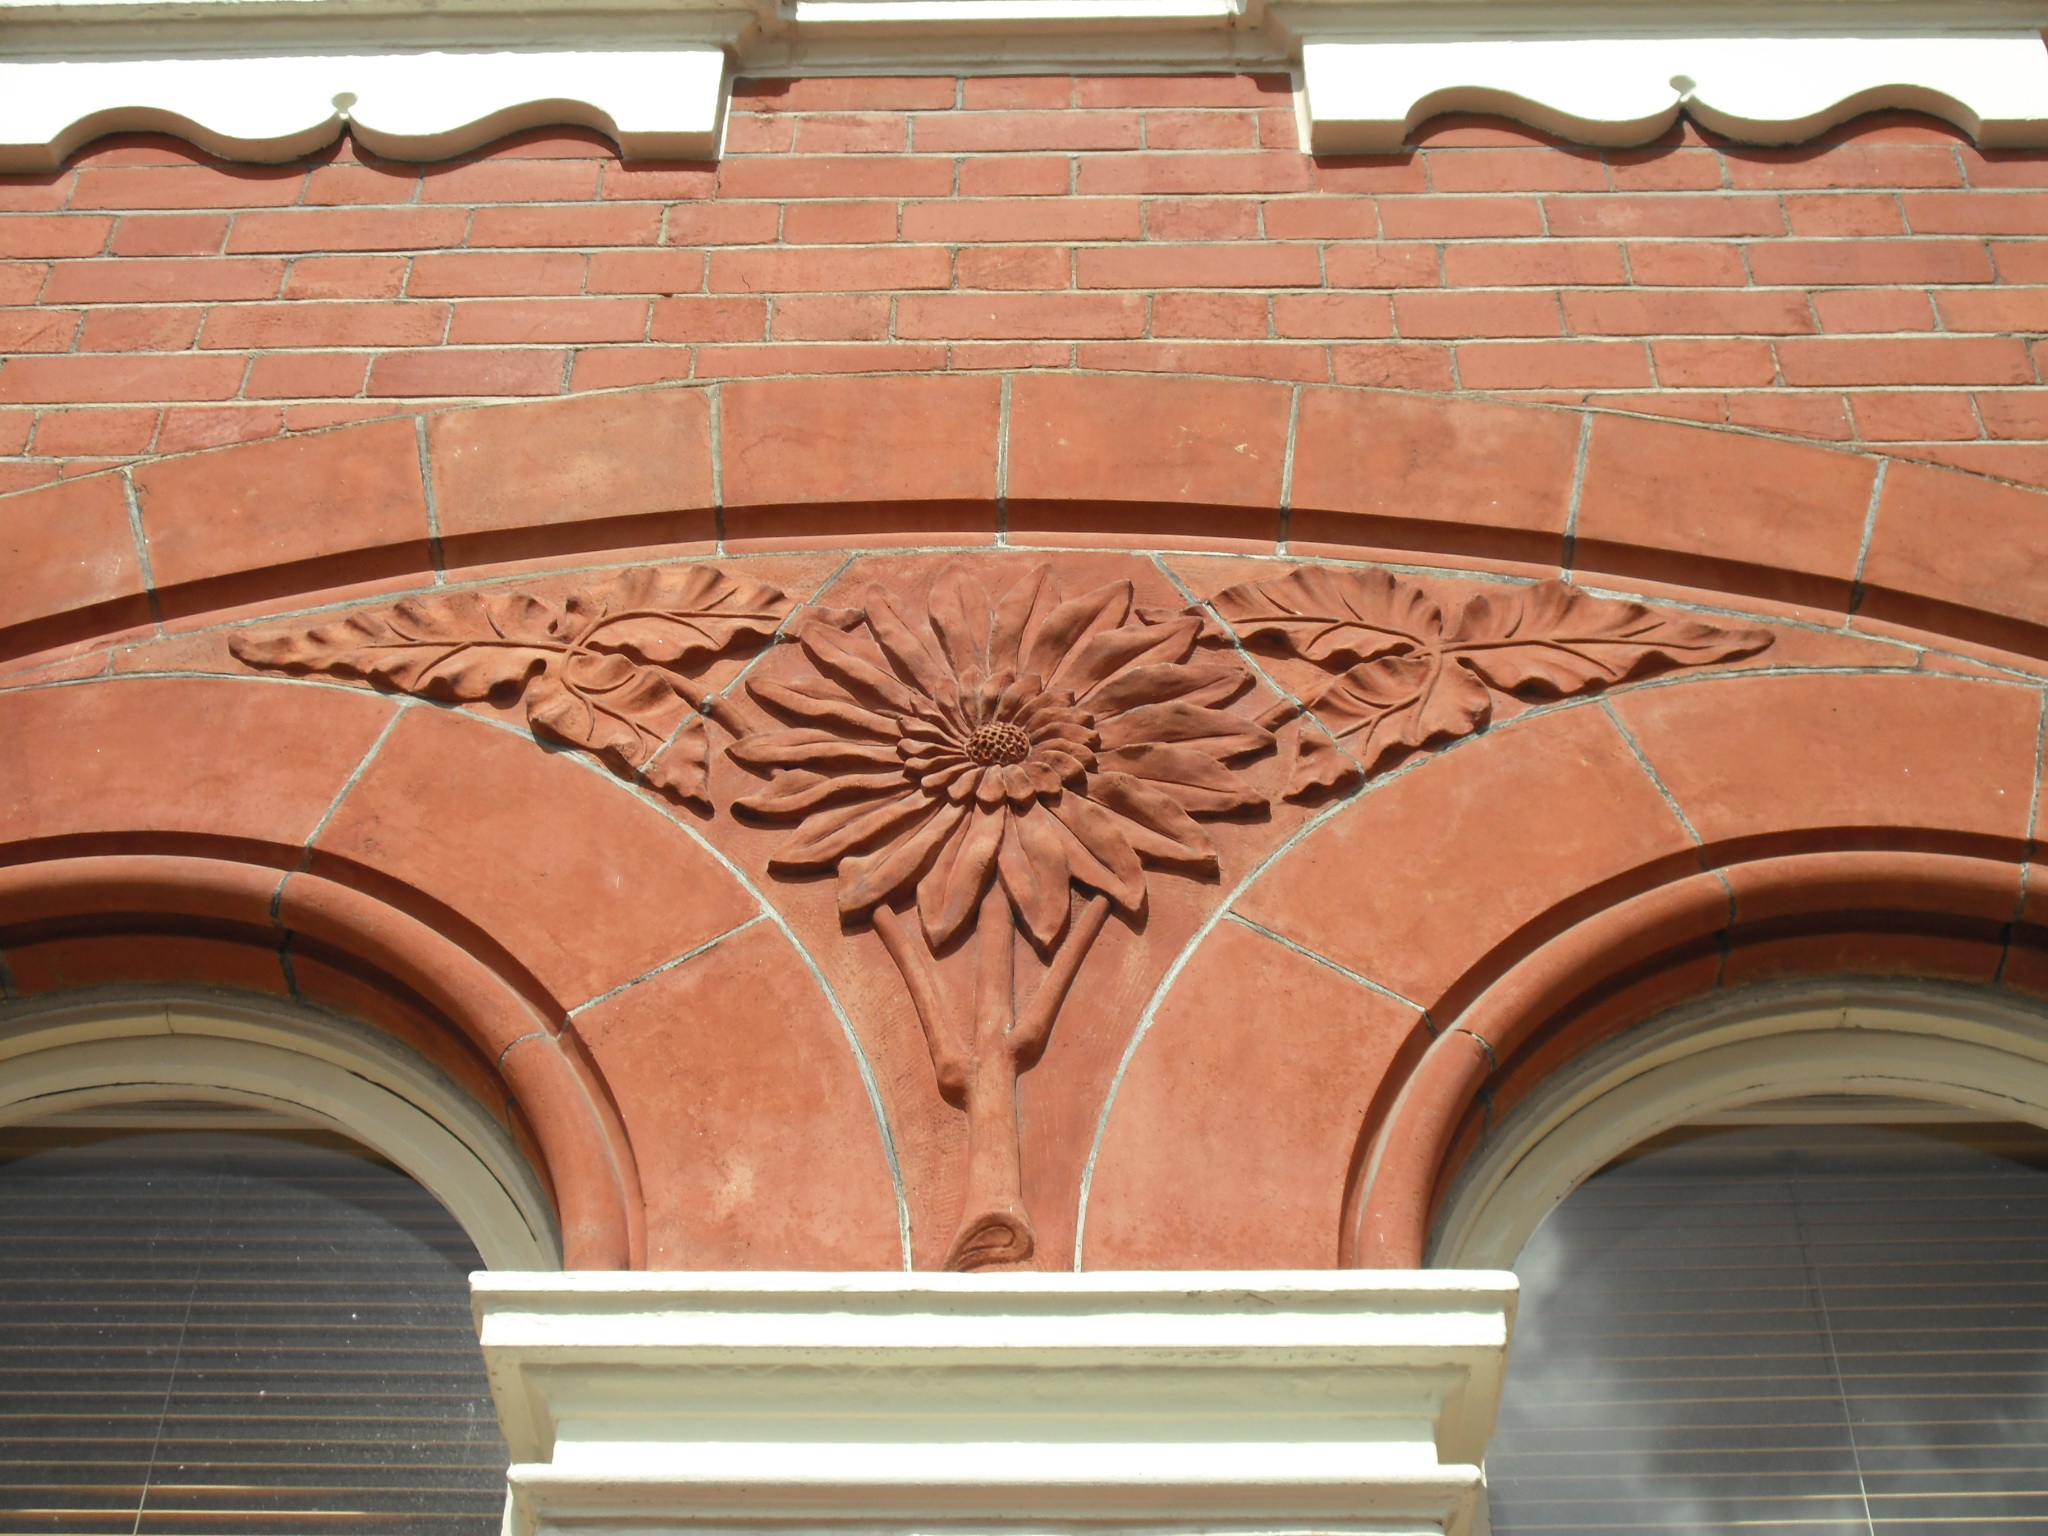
{"x":304,"y":825}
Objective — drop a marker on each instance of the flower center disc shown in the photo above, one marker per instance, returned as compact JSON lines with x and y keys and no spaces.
{"x":1002,"y":743}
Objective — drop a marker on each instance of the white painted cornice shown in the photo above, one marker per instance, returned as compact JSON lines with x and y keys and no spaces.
{"x":1175,"y":1403}
{"x":421,"y":79}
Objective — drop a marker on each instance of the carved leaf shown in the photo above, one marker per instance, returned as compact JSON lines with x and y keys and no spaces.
{"x":668,"y":616}
{"x":601,"y":671}
{"x":1554,"y":639}
{"x":1405,"y":679}
{"x":458,"y":647}
{"x":1324,"y":615}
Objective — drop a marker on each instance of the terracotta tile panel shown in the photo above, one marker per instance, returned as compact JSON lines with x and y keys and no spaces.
{"x":1217,"y":442}
{"x":258,"y":505}
{"x":1953,"y":539}
{"x":255,"y":759}
{"x":751,"y":1130}
{"x":1684,"y":504}
{"x":1231,"y":1137}
{"x":859,"y":440}
{"x":1419,"y":881}
{"x":1362,"y":461}
{"x":64,"y":547}
{"x":1796,"y":759}
{"x":561,"y":461}
{"x":585,"y":883}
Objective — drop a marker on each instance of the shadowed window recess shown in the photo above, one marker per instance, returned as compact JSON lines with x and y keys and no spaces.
{"x":1821,"y":1329}
{"x":213,"y":1330}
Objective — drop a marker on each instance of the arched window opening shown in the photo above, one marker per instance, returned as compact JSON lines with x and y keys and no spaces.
{"x":224,"y":1319}
{"x":1822,"y":1315}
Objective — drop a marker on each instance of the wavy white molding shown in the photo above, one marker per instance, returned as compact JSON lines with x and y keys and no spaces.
{"x":1365,"y":98}
{"x":1168,"y":1404}
{"x":666,"y":104}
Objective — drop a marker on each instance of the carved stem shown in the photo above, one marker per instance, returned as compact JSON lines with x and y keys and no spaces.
{"x":949,"y":1061}
{"x":997,"y":1229}
{"x":1027,"y":1041}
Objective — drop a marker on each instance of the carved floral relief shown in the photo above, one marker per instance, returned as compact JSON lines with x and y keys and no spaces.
{"x":605,"y":669}
{"x":1406,"y":670}
{"x":976,"y":763}
{"x":983,"y":759}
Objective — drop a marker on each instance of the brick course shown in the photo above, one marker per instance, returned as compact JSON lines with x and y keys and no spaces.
{"x":1887,"y":286}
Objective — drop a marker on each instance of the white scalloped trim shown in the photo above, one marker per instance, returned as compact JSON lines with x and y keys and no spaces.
{"x":1365,"y":98}
{"x":422,"y":106}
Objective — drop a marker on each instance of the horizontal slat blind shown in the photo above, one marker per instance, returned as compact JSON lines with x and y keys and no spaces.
{"x":249,"y":1335}
{"x":1812,"y":1329}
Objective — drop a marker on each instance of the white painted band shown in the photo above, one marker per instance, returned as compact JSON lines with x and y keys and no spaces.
{"x":1365,"y":98}
{"x":420,"y":106}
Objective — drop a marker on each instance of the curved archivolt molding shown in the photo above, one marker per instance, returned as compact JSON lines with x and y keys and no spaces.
{"x":424,"y":106}
{"x":1949,"y":1046}
{"x":1364,"y":98}
{"x":75,"y":1055}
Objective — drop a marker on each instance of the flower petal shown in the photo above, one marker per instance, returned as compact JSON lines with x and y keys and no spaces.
{"x":1160,"y":828}
{"x":1066,"y":760}
{"x":1197,"y":682}
{"x":908,"y":651}
{"x":862,"y":678}
{"x":1195,"y":779}
{"x":1101,"y":657}
{"x":875,"y":877}
{"x":797,"y":791}
{"x":952,"y":892}
{"x":813,"y":698}
{"x":1217,"y":732}
{"x":1073,"y":622}
{"x":1117,"y":873}
{"x":960,"y":617}
{"x":808,"y":749}
{"x":830,"y":835}
{"x":1033,"y":866}
{"x":1020,"y":612}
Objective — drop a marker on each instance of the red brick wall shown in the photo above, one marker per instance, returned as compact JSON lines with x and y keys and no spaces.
{"x":1887,"y":286}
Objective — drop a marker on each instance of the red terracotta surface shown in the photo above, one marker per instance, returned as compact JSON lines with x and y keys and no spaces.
{"x":858,"y":440}
{"x":260,"y":505}
{"x":244,"y":761}
{"x":754,"y":1139}
{"x":1363,"y":462}
{"x":592,"y":884}
{"x":1426,"y":876}
{"x":66,"y":547}
{"x":582,"y":459}
{"x":1230,"y":1139}
{"x":1956,"y":551}
{"x":1675,"y":504}
{"x":1805,"y":761}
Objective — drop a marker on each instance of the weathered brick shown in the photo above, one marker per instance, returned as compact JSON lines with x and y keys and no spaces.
{"x":1547,"y":264}
{"x":117,"y":376}
{"x":992,"y":219}
{"x":1460,"y":218}
{"x":1012,"y":93}
{"x":1456,"y":314}
{"x":1014,"y":266}
{"x":1686,"y":264}
{"x":699,"y":318}
{"x":843,"y":269}
{"x":448,"y":372}
{"x":1687,"y":215}
{"x":1382,"y":266}
{"x":188,"y":186}
{"x":1553,"y":365}
{"x":1870,"y":262}
{"x":1874,"y":309}
{"x":169,"y":280}
{"x":1237,"y":316}
{"x":1393,"y":365}
{"x":837,"y":176}
{"x":115,"y":430}
{"x":187,"y":428}
{"x":1018,"y":316}
{"x":1913,"y":416}
{"x":170,"y":234}
{"x":484,"y":321}
{"x":1976,"y":213}
{"x":1201,"y":218}
{"x":1515,"y":170}
{"x":1844,"y":165}
{"x":1713,"y":364}
{"x":839,"y":223}
{"x":1687,"y":312}
{"x":511,"y":181}
{"x":148,"y":328}
{"x":1337,"y":316}
{"x":306,"y":375}
{"x":1244,"y":265}
{"x":38,"y":330}
{"x":852,"y":133}
{"x":493,"y":274}
{"x":1846,"y":213}
{"x":950,"y":133}
{"x":405,"y":323}
{"x":1202,"y":130}
{"x":1822,"y":360}
{"x":348,"y":229}
{"x":570,"y":225}
{"x":1198,"y":172}
{"x":346,"y":277}
{"x":1994,"y":309}
{"x":828,"y":317}
{"x":654,"y":272}
{"x":57,"y":234}
{"x":1016,"y":176}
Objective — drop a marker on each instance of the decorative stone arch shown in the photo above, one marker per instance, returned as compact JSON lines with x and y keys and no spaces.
{"x":1946,"y":1045}
{"x":72,"y":1054}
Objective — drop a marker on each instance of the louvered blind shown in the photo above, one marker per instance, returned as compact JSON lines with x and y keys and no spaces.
{"x":1815,"y":1329}
{"x":235,"y":1335}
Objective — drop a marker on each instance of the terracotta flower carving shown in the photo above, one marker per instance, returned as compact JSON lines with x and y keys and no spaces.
{"x":1411,"y":671}
{"x":982,"y":757}
{"x":603,"y":669}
